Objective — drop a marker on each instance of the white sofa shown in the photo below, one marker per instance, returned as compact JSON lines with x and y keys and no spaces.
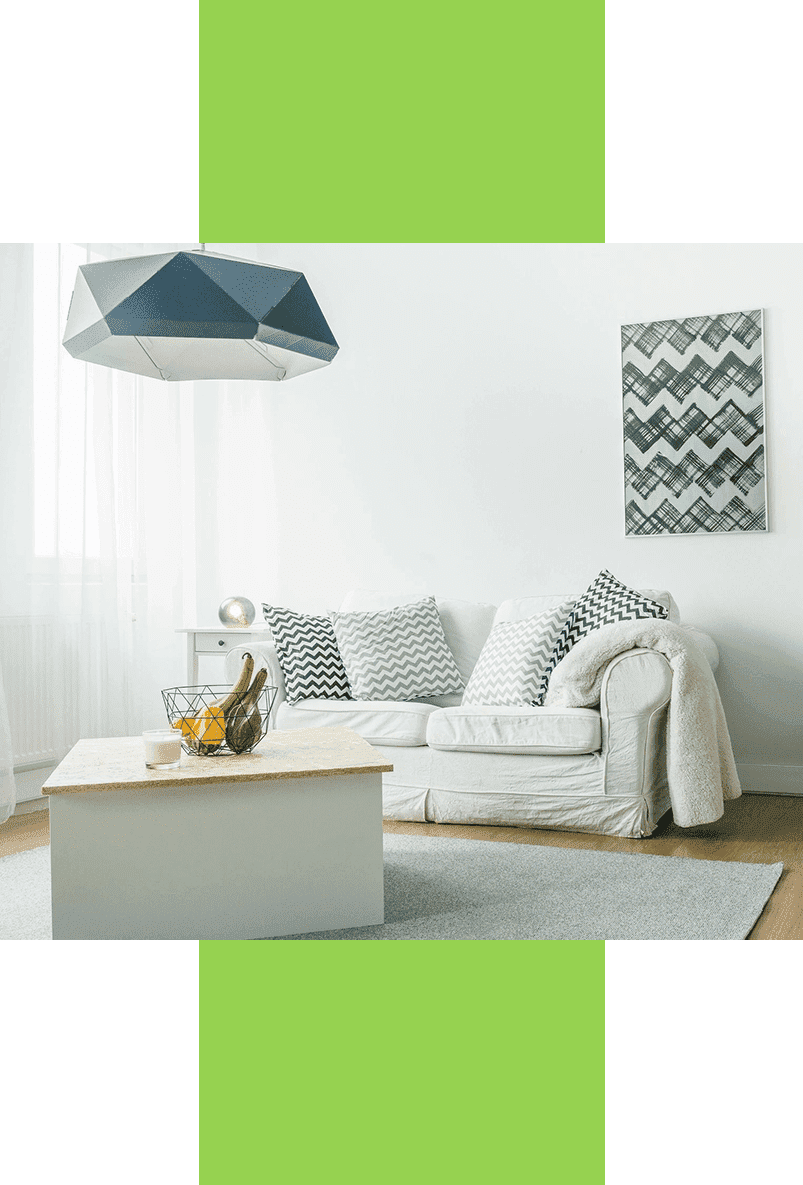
{"x":580,"y":769}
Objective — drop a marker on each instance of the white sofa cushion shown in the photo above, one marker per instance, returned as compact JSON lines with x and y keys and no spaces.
{"x":397,"y":654}
{"x":381,"y":722}
{"x":537,"y":731}
{"x":512,"y":661}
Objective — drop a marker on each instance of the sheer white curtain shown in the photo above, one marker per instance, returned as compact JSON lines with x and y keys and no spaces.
{"x":8,"y":789}
{"x":121,"y":495}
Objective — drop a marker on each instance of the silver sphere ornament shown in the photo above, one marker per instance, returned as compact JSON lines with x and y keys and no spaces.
{"x":236,"y":612}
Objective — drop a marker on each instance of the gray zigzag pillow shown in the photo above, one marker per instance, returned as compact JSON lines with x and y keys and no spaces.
{"x":398,"y":654}
{"x":606,"y":601}
{"x":514,"y":658}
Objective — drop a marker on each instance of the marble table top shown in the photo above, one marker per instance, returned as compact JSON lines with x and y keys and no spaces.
{"x":118,"y":763}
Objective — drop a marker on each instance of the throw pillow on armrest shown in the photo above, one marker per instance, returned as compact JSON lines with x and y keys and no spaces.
{"x":606,"y":601}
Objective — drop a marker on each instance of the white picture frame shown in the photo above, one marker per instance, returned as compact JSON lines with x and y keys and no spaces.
{"x":693,"y":425}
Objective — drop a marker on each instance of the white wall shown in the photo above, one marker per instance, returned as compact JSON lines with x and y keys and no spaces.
{"x":467,"y":442}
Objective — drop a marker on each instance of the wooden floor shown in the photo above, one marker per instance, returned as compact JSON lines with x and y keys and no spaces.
{"x":20,"y":833}
{"x":757,"y":828}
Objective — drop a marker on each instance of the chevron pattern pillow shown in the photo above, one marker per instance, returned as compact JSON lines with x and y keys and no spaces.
{"x":514,"y":658}
{"x":605,"y":602}
{"x":398,"y":654}
{"x":308,"y":655}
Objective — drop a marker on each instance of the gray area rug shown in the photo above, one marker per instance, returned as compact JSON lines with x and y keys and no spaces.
{"x":475,"y":889}
{"x":25,"y":895}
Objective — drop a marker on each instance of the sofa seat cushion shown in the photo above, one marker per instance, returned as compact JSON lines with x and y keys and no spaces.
{"x":381,"y":722}
{"x":537,"y":731}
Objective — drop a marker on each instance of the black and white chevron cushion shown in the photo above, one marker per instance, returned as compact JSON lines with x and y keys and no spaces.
{"x":398,"y":654}
{"x":308,"y":655}
{"x":514,"y":658}
{"x":605,"y":602}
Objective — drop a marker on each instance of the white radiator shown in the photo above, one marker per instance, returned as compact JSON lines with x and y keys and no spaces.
{"x":42,"y":659}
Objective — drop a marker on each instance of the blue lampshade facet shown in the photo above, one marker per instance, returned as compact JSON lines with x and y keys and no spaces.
{"x":195,"y":315}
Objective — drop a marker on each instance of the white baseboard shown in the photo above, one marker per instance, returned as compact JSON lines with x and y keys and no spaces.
{"x":32,"y":805}
{"x":771,"y":779}
{"x":29,"y":783}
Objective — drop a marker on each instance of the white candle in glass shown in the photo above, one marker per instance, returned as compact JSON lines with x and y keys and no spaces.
{"x":162,"y":748}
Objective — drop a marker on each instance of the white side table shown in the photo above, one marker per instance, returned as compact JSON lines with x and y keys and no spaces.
{"x":216,"y":639}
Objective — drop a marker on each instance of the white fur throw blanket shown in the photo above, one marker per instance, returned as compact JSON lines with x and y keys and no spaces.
{"x":700,"y":768}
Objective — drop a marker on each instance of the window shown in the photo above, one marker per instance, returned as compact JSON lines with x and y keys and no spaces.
{"x":65,"y":520}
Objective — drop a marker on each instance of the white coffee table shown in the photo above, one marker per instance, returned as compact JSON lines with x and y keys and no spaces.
{"x":284,"y":840}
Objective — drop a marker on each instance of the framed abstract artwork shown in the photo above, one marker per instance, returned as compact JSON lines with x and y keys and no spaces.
{"x":693,"y":404}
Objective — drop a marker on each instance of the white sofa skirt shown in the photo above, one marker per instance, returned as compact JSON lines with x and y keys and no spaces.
{"x":563,"y":793}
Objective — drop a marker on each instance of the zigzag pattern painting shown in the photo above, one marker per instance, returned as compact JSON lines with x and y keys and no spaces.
{"x":308,"y":655}
{"x":397,"y":654}
{"x":514,"y":658}
{"x":693,"y":400}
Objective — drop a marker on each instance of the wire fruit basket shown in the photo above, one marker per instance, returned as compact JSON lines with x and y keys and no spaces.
{"x":208,"y":731}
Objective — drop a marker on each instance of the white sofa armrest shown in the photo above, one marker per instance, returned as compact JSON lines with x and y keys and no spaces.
{"x":275,"y":677}
{"x":635,"y":683}
{"x":635,"y":692}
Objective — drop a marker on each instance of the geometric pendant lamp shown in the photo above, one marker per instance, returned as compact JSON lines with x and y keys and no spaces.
{"x":197,"y":315}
